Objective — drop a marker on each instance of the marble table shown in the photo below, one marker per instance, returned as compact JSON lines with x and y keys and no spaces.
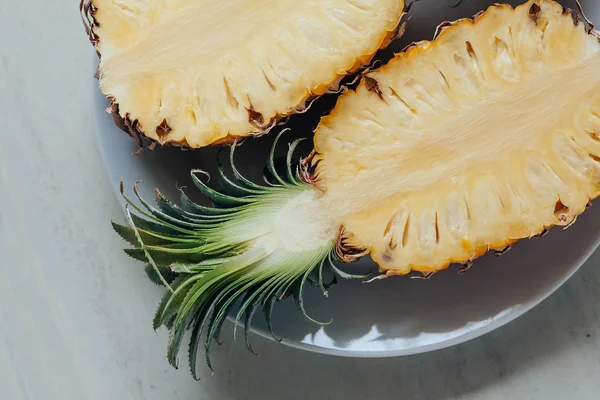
{"x":71,"y":307}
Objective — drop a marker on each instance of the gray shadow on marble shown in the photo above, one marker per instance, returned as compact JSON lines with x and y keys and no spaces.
{"x":566,"y":322}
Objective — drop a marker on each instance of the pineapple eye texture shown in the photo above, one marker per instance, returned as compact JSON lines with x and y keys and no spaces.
{"x":485,"y":136}
{"x":198,"y":72}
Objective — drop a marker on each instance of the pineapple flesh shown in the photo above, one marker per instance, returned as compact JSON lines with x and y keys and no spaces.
{"x":487,"y":135}
{"x":198,"y":72}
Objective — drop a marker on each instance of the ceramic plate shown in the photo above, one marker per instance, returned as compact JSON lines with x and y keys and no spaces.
{"x":397,"y":316}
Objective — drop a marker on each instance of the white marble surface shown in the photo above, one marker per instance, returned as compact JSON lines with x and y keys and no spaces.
{"x":71,"y":308}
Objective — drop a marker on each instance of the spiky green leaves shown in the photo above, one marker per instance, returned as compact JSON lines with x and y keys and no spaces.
{"x":233,"y":258}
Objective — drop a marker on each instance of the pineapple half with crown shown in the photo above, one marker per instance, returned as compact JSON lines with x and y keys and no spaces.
{"x":487,"y":135}
{"x":197,"y":72}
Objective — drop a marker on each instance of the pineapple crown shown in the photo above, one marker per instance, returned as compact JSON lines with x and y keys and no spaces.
{"x":211,"y":261}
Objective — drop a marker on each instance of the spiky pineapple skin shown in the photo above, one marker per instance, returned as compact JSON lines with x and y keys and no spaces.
{"x":131,"y":125}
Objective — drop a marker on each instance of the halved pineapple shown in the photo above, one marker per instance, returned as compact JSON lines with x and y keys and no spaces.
{"x":487,"y":135}
{"x":198,"y":72}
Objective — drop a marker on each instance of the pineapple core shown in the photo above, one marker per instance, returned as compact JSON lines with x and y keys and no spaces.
{"x":487,"y":135}
{"x":197,"y":72}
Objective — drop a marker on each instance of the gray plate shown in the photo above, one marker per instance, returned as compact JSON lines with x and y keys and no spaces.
{"x":397,"y":316}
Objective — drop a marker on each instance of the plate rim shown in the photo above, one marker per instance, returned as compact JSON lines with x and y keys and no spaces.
{"x":495,"y":322}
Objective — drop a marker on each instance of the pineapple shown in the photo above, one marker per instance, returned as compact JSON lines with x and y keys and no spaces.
{"x":198,"y":72}
{"x":483,"y":137}
{"x":487,"y":135}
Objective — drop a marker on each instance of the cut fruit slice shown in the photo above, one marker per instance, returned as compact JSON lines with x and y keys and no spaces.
{"x":487,"y":135}
{"x":198,"y":72}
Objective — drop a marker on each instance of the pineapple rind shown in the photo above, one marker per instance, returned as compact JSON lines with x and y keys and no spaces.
{"x":485,"y":136}
{"x":249,"y":84}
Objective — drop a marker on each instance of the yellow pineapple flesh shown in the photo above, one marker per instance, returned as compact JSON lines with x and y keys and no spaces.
{"x":198,"y":72}
{"x":487,"y":135}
